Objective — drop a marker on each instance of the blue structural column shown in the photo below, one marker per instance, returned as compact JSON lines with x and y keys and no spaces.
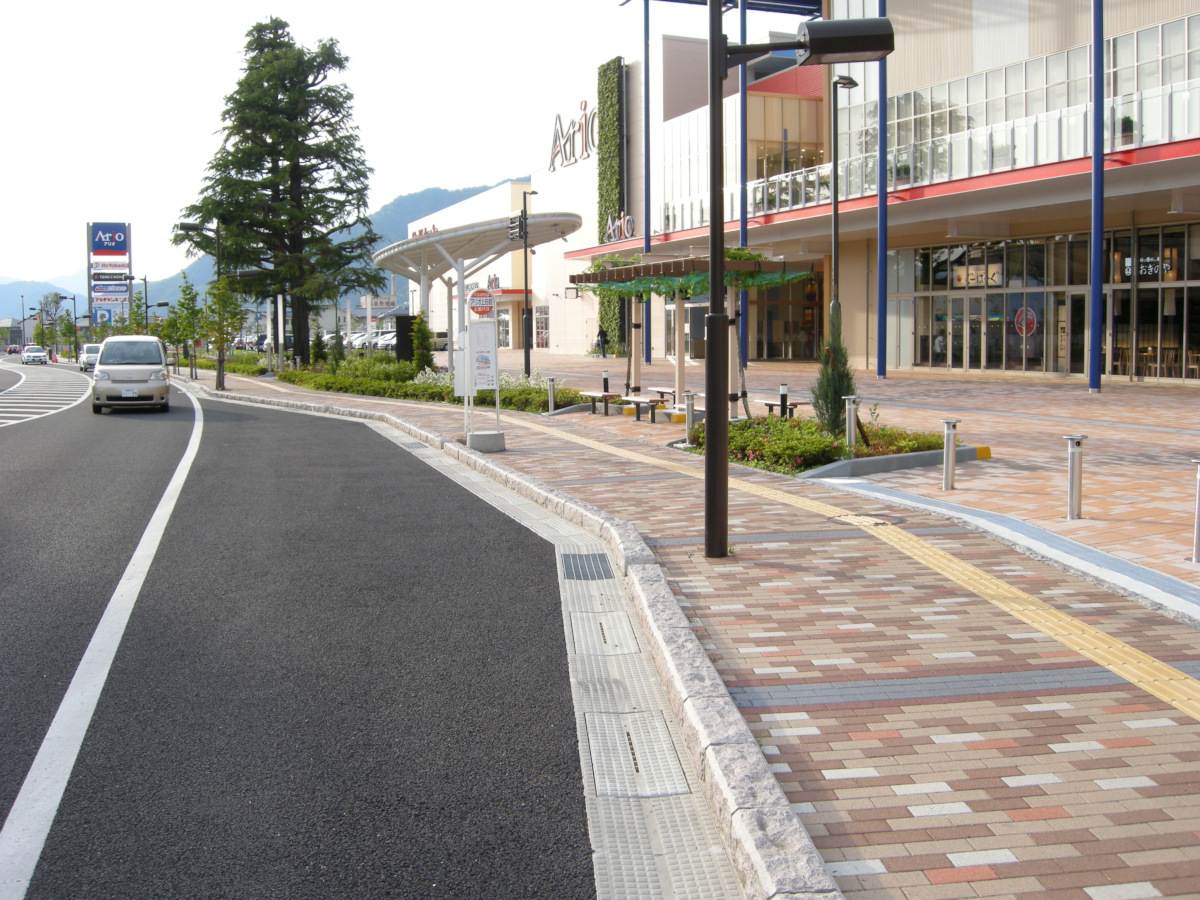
{"x":743,"y":227}
{"x":646,"y":162}
{"x":882,"y":222}
{"x":1097,"y":245}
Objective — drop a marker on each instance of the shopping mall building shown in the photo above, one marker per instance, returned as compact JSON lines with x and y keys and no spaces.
{"x":988,"y":192}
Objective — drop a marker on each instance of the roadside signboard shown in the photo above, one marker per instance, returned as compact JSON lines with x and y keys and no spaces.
{"x":481,"y":301}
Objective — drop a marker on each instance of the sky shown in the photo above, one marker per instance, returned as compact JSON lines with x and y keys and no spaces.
{"x":113,"y":111}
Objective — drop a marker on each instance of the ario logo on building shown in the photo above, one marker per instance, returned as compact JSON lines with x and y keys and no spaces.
{"x":577,"y":140}
{"x":619,"y":228}
{"x":110,"y":238}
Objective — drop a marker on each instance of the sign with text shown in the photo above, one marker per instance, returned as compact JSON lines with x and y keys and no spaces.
{"x":110,"y":239}
{"x":481,"y":301}
{"x":483,"y":363}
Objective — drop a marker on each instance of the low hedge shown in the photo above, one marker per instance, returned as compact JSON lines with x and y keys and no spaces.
{"x":524,"y":399}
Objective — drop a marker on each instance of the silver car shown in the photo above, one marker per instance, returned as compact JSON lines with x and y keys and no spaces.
{"x":88,"y":354}
{"x":34,"y":354}
{"x":132,"y":372}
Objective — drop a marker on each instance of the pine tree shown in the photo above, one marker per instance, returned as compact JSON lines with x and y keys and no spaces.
{"x":422,"y":343}
{"x":287,"y":190}
{"x":835,"y":380}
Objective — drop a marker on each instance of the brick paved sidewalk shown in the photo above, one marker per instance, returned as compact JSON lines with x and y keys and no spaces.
{"x":949,"y":717}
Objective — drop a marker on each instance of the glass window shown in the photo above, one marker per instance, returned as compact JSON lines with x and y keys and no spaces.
{"x":1058,"y":261}
{"x":1124,"y":52}
{"x":1035,"y":102}
{"x":1148,"y":44}
{"x":1035,"y":72}
{"x":1148,"y":254}
{"x":1079,"y":62}
{"x":1014,"y":79}
{"x":1174,"y":38}
{"x":920,"y":102}
{"x":1174,"y":70}
{"x":1172,"y":253}
{"x":1056,"y":68}
{"x":1077,"y":264}
{"x":1015,"y":271}
{"x":1122,"y":261}
{"x":976,"y":88}
{"x":995,"y":84}
{"x":1035,"y":263}
{"x":1056,"y":97}
{"x":1077,"y":92}
{"x":1192,"y":322}
{"x":995,"y":112}
{"x":958,"y":92}
{"x":1194,"y":64}
{"x":1193,"y":271}
{"x":1147,"y":76}
{"x":1124,"y":81}
{"x":939,"y":95}
{"x":921,"y":131}
{"x":922,"y":270}
{"x":904,"y":271}
{"x":1015,"y":107}
{"x":904,"y":106}
{"x":939,"y":269}
{"x":976,"y":115}
{"x":1193,"y":27}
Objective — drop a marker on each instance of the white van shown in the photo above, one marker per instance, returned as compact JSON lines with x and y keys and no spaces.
{"x":131,"y":371}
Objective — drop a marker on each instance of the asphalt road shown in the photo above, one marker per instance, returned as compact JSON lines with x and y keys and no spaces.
{"x":344,"y":676}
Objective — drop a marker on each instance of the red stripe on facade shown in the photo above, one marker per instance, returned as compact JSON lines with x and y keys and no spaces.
{"x":800,"y":81}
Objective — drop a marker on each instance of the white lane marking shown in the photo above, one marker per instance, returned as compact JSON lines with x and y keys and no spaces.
{"x":32,"y":814}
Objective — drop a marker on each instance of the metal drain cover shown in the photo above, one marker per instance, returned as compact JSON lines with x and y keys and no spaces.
{"x":633,"y":755}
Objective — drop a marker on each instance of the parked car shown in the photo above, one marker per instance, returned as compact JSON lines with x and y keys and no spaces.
{"x":440,"y":340}
{"x":34,"y":354}
{"x":381,"y":342}
{"x":13,"y":348}
{"x":88,"y":354}
{"x":131,"y":371}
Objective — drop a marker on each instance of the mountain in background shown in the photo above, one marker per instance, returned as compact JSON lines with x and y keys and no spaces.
{"x":390,"y":222}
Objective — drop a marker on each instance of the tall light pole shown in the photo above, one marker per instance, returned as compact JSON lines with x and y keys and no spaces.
{"x":818,"y":42}
{"x":526,"y":319}
{"x":195,"y":228}
{"x":842,"y":81}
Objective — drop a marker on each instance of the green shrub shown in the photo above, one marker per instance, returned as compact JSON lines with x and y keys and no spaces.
{"x":796,"y":445}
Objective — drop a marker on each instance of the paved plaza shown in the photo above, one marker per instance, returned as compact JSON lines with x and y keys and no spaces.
{"x":961,"y":693}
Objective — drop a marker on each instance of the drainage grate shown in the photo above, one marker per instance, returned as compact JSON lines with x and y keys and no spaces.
{"x":586,"y":566}
{"x":632,"y":755}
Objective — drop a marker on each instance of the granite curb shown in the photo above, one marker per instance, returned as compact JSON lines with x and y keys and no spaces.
{"x":774,"y":856}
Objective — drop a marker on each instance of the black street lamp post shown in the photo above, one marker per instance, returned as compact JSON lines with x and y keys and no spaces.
{"x":842,"y":81}
{"x":818,"y":42}
{"x":526,"y":318}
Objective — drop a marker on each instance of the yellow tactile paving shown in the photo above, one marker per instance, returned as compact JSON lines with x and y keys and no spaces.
{"x":1138,"y":668}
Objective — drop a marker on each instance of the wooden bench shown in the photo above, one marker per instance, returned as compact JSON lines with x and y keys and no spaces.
{"x":604,"y":396}
{"x":791,"y":407}
{"x":664,"y":393}
{"x":639,"y":401}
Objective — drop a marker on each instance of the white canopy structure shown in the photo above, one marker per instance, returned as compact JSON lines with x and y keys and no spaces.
{"x":465,"y":250}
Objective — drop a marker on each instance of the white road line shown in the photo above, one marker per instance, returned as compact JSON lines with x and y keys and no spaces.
{"x":32,"y":814}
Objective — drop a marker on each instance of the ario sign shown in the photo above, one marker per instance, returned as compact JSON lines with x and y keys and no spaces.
{"x":575,"y":141}
{"x":109,"y":239}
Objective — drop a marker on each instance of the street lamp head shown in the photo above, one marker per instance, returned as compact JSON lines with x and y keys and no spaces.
{"x":845,"y":81}
{"x":825,"y":41}
{"x":189,"y":227}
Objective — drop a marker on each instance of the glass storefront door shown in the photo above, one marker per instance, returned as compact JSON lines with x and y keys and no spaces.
{"x":1077,"y":329}
{"x":957,"y":347}
{"x":974,"y":332}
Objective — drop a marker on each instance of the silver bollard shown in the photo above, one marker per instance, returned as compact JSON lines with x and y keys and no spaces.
{"x":851,"y":423}
{"x":1075,"y":475}
{"x":550,"y":391}
{"x":949,"y":454}
{"x":783,"y":401}
{"x":1196,"y":526}
{"x":689,"y":406}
